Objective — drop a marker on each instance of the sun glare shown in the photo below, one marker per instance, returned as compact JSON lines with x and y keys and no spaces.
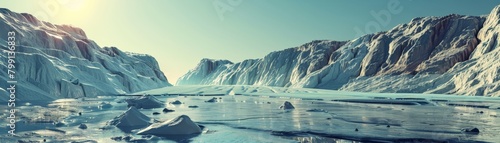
{"x":74,"y":10}
{"x":74,"y":5}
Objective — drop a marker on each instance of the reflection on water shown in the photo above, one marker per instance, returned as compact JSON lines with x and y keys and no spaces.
{"x":258,"y":119}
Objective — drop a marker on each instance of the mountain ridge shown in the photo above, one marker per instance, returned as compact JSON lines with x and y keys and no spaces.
{"x":422,"y":56}
{"x":60,"y":61}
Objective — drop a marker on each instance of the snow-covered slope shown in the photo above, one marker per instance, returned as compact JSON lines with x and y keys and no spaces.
{"x":205,"y":68}
{"x":475,"y":76}
{"x":55,"y":61}
{"x":454,"y":54}
{"x":282,"y":68}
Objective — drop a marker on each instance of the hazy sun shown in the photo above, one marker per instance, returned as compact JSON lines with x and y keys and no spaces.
{"x":73,"y":5}
{"x":73,"y":11}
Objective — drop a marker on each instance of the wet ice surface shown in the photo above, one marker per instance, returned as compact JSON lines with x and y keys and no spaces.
{"x":253,"y":118}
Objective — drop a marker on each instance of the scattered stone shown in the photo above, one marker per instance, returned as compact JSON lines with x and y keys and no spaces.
{"x":79,"y":113}
{"x":193,"y":106}
{"x":388,"y":126}
{"x":287,"y":105}
{"x":127,"y":138}
{"x":471,"y":130}
{"x":82,"y":126}
{"x":220,"y":97}
{"x":44,"y":140}
{"x":356,"y":129}
{"x":176,"y":102}
{"x":105,"y":105}
{"x":268,"y":102}
{"x":166,"y":110}
{"x":119,"y":138}
{"x":212,"y":100}
{"x":156,"y":113}
{"x":328,"y":118}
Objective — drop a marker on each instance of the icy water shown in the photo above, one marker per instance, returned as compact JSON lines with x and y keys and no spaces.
{"x":258,"y":119}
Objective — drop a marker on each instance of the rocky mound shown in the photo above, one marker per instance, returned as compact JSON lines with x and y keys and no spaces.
{"x":182,"y":125}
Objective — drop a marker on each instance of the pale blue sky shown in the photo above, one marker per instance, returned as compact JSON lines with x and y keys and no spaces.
{"x":179,"y":33}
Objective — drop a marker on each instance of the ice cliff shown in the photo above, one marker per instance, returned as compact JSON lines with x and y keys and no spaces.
{"x":454,"y":54}
{"x":56,"y":61}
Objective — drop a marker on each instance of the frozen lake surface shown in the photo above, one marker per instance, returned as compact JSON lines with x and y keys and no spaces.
{"x":253,"y":115}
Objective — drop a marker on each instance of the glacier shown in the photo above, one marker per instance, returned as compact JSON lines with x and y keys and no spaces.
{"x":280,"y":68}
{"x":453,"y":54}
{"x":59,"y":61}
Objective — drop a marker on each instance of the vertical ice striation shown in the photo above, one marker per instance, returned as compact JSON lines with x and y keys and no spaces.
{"x":453,"y":54}
{"x":489,"y":34}
{"x":282,"y":68}
{"x":204,"y":69}
{"x":57,"y":61}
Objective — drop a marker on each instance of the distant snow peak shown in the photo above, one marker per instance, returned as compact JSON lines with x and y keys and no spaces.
{"x":294,"y":63}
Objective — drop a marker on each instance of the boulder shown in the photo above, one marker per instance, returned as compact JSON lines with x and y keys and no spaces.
{"x":287,"y":105}
{"x":130,"y":119}
{"x":181,"y":125}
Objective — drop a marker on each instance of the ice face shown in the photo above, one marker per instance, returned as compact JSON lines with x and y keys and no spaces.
{"x":279,"y":68}
{"x":60,"y":61}
{"x":453,"y":54}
